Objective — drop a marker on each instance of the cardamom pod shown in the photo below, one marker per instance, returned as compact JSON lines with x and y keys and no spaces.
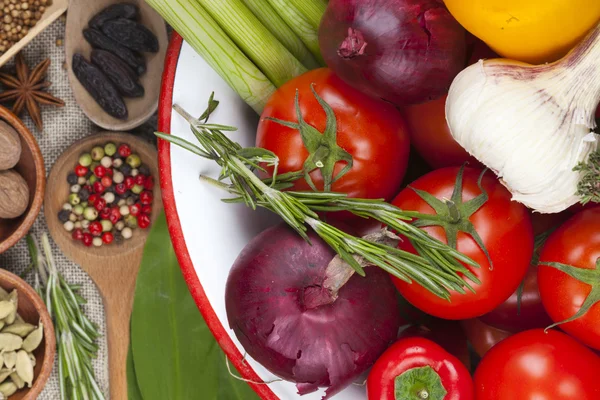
{"x":19,"y":328}
{"x":4,"y":373}
{"x":24,"y":367}
{"x":33,"y":340}
{"x":8,"y":388}
{"x":32,"y":358}
{"x":17,"y":380}
{"x":10,"y":359}
{"x":19,"y":319}
{"x":13,"y":297}
{"x":10,"y":342}
{"x":6,"y":307}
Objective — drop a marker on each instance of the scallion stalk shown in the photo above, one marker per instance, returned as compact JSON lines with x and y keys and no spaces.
{"x":207,"y":38}
{"x":267,"y":15}
{"x":254,"y":39}
{"x":304,"y":17}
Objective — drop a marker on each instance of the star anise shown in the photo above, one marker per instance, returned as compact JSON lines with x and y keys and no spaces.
{"x":27,"y":89}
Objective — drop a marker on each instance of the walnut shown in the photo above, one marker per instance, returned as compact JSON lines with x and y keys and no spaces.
{"x":14,"y":194}
{"x":10,"y":146}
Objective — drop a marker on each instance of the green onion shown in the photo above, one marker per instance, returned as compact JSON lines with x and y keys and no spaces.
{"x":277,"y":26}
{"x":198,"y":29}
{"x":304,"y":17}
{"x":267,"y":53}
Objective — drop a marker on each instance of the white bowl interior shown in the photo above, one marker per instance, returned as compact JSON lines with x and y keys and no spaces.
{"x":216,"y":232}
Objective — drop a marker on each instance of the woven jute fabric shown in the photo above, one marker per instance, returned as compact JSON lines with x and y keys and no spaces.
{"x":62,"y":127}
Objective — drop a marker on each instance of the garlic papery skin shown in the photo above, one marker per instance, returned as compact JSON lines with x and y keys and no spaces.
{"x":531,"y":125}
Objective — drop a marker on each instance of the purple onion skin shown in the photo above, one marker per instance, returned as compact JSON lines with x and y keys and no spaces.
{"x":402,"y":51}
{"x":324,"y":346}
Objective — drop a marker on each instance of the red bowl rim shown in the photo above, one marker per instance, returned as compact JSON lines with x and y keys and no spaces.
{"x":174,"y":225}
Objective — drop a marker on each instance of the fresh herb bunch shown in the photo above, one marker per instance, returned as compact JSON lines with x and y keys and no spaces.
{"x":589,"y":185}
{"x":438,"y":267}
{"x":75,"y":333}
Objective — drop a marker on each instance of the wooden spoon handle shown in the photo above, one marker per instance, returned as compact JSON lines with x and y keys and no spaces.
{"x":118,"y":302}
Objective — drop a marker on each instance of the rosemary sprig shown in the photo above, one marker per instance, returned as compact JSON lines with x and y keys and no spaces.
{"x":438,"y":267}
{"x":75,"y":333}
{"x":588,"y":188}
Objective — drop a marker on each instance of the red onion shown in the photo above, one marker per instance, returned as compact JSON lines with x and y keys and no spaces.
{"x":402,"y":51}
{"x":295,"y":327}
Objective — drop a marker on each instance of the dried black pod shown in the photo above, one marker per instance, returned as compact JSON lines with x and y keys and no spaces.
{"x":131,"y":34}
{"x":121,"y":10}
{"x":99,"y":40}
{"x":118,"y":72}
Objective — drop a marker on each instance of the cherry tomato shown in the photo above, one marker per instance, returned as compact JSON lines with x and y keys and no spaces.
{"x":565,"y":287}
{"x":482,"y":336}
{"x":374,"y":133}
{"x":503,"y":225}
{"x":417,"y":368}
{"x":536,"y":365}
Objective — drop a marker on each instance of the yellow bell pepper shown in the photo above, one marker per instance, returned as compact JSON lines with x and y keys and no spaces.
{"x":534,"y":31}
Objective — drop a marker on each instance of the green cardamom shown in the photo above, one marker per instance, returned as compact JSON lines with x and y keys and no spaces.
{"x":33,"y":340}
{"x":24,"y":367}
{"x":17,"y":380}
{"x":33,"y":360}
{"x":6,"y":308}
{"x":20,"y":329}
{"x":8,"y":388}
{"x":14,"y":299}
{"x":4,"y":373}
{"x":10,"y":359}
{"x":10,"y":342}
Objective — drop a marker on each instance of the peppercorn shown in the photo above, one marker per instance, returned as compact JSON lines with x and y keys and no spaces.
{"x":92,"y":179}
{"x":72,"y":178}
{"x":117,"y":163}
{"x":74,"y":199}
{"x":98,"y":187}
{"x":67,"y":207}
{"x":140,"y":180}
{"x":144,"y":170}
{"x":95,"y":228}
{"x":77,"y":225}
{"x":146,"y":197}
{"x":126,"y":170}
{"x":75,"y":188}
{"x":107,"y":237}
{"x":147,"y":209}
{"x":131,"y":200}
{"x":99,"y":171}
{"x":109,"y":197}
{"x":100,"y":204}
{"x":105,"y":213}
{"x":73,"y":217}
{"x":135,"y":172}
{"x":90,"y":213}
{"x":87,"y":239}
{"x":110,"y":149}
{"x":106,"y":181}
{"x":77,"y":234}
{"x":97,"y":153}
{"x":124,"y":210}
{"x":92,"y":199}
{"x":97,"y":242}
{"x":81,"y":181}
{"x":127,"y":233}
{"x":120,"y":225}
{"x":137,"y":189}
{"x":149,"y":184}
{"x":63,"y":215}
{"x":85,"y":224}
{"x":118,"y":238}
{"x":80,"y":170}
{"x":124,"y":150}
{"x":118,"y":177}
{"x":129,"y":182}
{"x":133,"y":161}
{"x":135,"y":209}
{"x":78,"y":209}
{"x":106,"y":225}
{"x":120,"y":189}
{"x":69,"y":226}
{"x":85,"y":159}
{"x":143,"y":221}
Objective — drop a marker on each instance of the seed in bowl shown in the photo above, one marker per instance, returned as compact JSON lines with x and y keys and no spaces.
{"x":110,"y":195}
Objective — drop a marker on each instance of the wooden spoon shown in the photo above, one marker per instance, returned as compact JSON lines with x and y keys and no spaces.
{"x":141,"y":108}
{"x":114,"y":267}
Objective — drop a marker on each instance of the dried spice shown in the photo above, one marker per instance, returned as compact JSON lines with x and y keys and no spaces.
{"x":131,"y":35}
{"x":98,"y":40}
{"x":99,"y":87}
{"x":118,"y":72}
{"x":121,"y":10}
{"x":26,"y":89}
{"x":10,"y":146}
{"x":17,"y":18}
{"x":14,"y":196}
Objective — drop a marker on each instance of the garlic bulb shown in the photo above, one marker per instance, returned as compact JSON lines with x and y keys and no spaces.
{"x":531,"y":124}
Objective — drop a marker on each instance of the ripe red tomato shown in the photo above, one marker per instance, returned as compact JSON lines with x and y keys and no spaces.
{"x":504,"y":227}
{"x":430,"y":135}
{"x":482,"y":336}
{"x":417,"y":368}
{"x":576,"y":245}
{"x":372,"y":131}
{"x":535,"y":365}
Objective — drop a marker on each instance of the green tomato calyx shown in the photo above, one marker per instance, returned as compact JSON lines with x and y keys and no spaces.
{"x":422,"y":383}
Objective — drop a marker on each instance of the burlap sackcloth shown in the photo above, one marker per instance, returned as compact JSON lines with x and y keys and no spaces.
{"x":62,"y":127}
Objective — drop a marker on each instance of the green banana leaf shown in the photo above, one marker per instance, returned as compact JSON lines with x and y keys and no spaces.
{"x":174,"y":355}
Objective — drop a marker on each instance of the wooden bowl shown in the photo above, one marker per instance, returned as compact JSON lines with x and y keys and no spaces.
{"x":57,"y":8}
{"x":32,"y":309}
{"x":140,"y":109}
{"x":31,"y":167}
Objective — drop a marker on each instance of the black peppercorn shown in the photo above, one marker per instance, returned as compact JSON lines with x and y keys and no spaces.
{"x":72,"y":178}
{"x":84,"y":195}
{"x":63,"y":215}
{"x":110,"y":189}
{"x":144,"y":170}
{"x":118,"y":238}
{"x":126,"y":169}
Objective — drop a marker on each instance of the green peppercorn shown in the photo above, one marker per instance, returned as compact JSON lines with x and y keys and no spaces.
{"x":106,"y":225}
{"x":84,"y":204}
{"x":90,"y":213}
{"x":110,"y":149}
{"x":74,"y":199}
{"x":78,"y":209}
{"x":137,"y":189}
{"x":133,"y":161}
{"x":85,"y":159}
{"x":94,"y":165}
{"x":93,"y":179}
{"x":131,"y":221}
{"x":97,"y":153}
